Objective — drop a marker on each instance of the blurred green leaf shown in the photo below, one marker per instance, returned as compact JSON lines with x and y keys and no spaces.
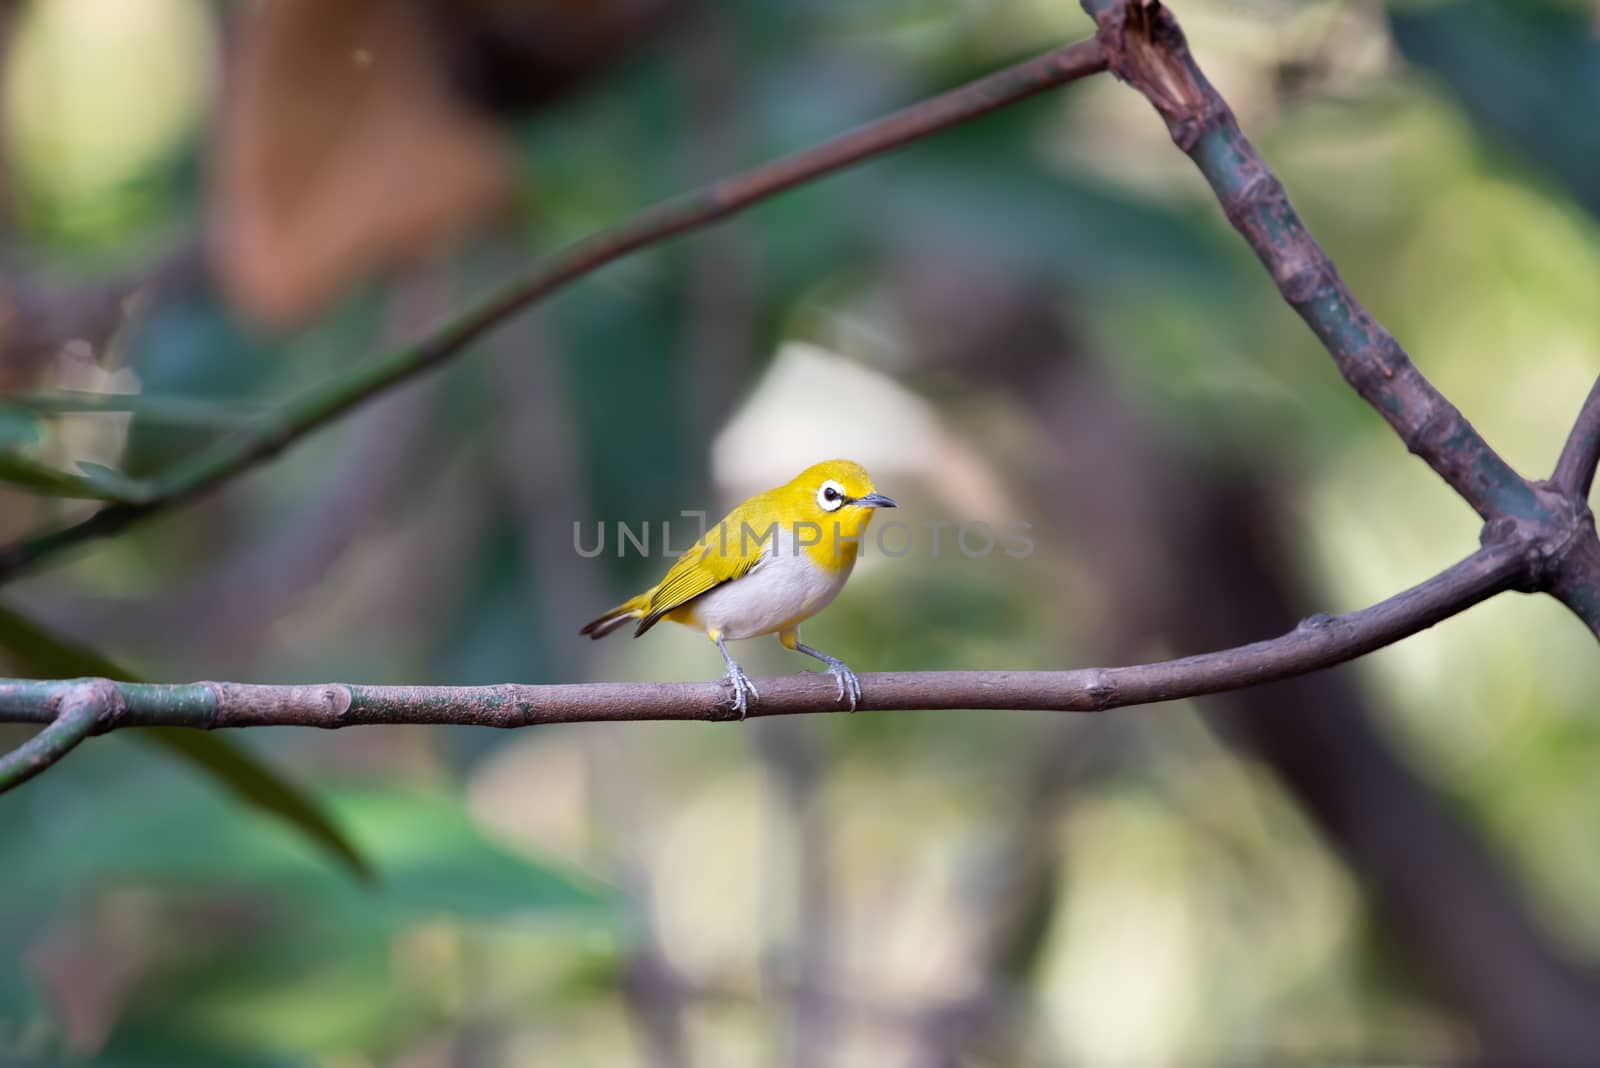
{"x":628,"y":365}
{"x":161,"y":1055}
{"x":255,"y":783}
{"x":174,"y":353}
{"x":95,"y":483}
{"x":18,"y":427}
{"x":273,"y":954}
{"x":155,"y":409}
{"x":1528,"y":71}
{"x":32,"y":649}
{"x":427,"y":850}
{"x":494,"y":629}
{"x":112,"y":483}
{"x":39,"y":653}
{"x":982,"y":191}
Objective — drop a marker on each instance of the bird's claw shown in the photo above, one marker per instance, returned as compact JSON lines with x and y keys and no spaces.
{"x":849,"y":685}
{"x":744,"y":691}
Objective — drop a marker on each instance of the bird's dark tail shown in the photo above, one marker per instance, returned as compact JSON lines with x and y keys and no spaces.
{"x":619,"y":616}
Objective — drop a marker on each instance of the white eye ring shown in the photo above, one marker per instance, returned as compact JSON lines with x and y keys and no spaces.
{"x":831,"y":496}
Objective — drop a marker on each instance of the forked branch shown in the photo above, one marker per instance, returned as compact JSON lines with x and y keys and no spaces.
{"x":73,"y":711}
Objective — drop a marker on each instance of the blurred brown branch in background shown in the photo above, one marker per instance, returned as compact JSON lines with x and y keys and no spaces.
{"x":719,"y":200}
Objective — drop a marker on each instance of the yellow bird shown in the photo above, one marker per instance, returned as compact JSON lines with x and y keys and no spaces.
{"x":773,"y":562}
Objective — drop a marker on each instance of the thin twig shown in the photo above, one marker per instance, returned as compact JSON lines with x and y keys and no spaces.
{"x":713,"y":203}
{"x":193,"y":412}
{"x":1318,"y":642}
{"x":1574,"y":474}
{"x":79,"y":709}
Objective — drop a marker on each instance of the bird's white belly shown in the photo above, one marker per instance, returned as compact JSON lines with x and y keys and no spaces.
{"x":780,"y":591}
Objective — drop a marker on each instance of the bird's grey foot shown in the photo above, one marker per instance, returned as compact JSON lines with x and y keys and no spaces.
{"x":744,"y":691}
{"x":849,"y":685}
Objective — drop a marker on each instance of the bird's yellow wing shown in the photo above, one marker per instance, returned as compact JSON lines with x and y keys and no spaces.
{"x":725,"y":553}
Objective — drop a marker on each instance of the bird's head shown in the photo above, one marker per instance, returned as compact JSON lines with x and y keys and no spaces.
{"x":836,"y":490}
{"x":828,"y":506}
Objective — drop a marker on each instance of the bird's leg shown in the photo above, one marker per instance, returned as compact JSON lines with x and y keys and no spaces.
{"x":744,"y":691}
{"x":849,"y":685}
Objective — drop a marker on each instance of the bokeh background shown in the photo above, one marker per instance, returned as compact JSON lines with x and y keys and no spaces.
{"x":1041,"y":316}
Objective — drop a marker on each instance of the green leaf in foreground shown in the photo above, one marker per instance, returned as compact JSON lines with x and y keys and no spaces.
{"x":97,"y":483}
{"x":254,"y":782}
{"x":112,"y":484}
{"x":37,"y":652}
{"x":313,"y":974}
{"x":431,"y":856}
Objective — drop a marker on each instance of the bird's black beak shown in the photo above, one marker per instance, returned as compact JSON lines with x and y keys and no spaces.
{"x":874,"y":500}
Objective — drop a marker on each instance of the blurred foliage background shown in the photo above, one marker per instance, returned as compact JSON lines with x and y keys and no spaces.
{"x":1041,"y":316}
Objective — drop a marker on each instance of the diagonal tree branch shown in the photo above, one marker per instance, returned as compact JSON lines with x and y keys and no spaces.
{"x":713,"y":203}
{"x":1574,"y":474}
{"x":1318,"y":642}
{"x":1146,"y":49}
{"x":1572,"y":565}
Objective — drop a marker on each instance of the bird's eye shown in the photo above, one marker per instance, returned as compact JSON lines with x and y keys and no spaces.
{"x":830,"y":496}
{"x":830,"y":493}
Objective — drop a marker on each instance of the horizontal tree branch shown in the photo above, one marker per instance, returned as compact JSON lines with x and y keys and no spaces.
{"x":1146,"y":49}
{"x":713,"y":203}
{"x":1318,"y":642}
